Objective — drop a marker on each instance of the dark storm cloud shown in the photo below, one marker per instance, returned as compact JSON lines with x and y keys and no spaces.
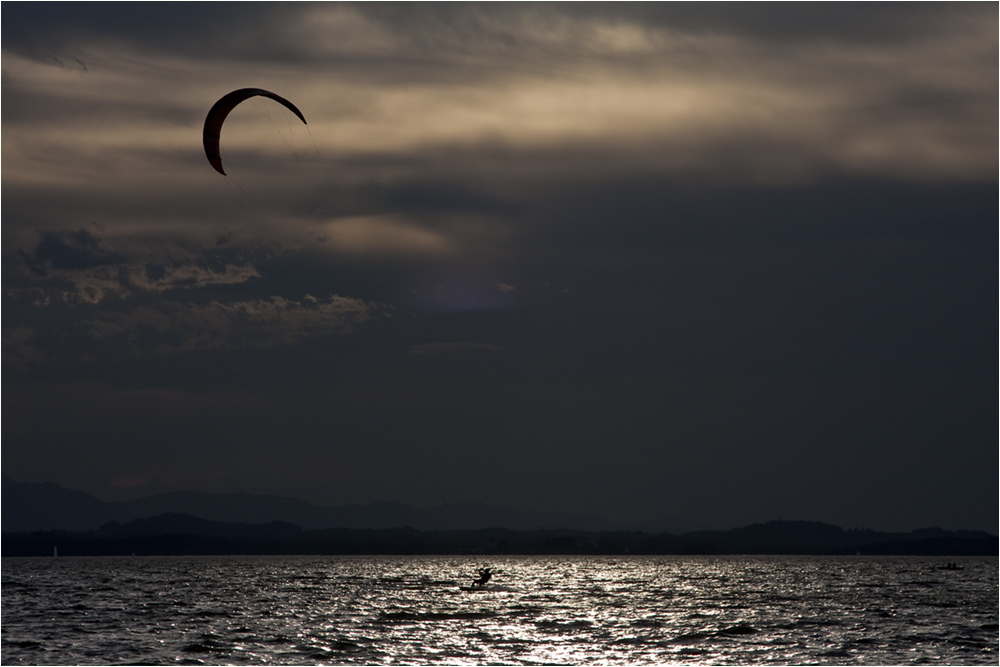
{"x":689,"y":264}
{"x":179,"y":327}
{"x":125,"y":313}
{"x":538,"y":91}
{"x":78,"y":267}
{"x":263,"y":31}
{"x":64,"y":343}
{"x":69,"y":250}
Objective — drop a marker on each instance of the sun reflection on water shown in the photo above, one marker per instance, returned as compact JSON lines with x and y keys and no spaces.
{"x":537,"y":610}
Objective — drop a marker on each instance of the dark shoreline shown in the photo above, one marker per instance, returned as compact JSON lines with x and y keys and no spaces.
{"x":178,"y":534}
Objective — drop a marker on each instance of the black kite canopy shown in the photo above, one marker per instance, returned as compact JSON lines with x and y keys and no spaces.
{"x":217,"y":115}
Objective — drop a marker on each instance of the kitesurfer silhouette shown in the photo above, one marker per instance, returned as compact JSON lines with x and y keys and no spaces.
{"x":484,"y":576}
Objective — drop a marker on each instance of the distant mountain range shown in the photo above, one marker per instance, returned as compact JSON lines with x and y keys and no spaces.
{"x":48,"y":506}
{"x":39,"y":519}
{"x":175,"y":534}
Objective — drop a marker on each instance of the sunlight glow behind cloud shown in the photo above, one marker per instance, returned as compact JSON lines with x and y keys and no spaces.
{"x":379,"y":236}
{"x":699,"y":100}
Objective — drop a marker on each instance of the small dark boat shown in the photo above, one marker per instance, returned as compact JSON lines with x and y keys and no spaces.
{"x":950,"y":566}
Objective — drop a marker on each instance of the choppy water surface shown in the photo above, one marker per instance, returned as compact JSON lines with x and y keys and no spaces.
{"x":543,"y":610}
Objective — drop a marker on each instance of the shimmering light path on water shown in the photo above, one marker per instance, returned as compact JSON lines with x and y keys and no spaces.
{"x":541,"y":610}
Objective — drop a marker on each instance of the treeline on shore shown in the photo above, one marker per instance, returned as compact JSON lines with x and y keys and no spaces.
{"x":180,"y":534}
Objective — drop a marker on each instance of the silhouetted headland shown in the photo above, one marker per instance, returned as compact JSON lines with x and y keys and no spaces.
{"x":183,"y":534}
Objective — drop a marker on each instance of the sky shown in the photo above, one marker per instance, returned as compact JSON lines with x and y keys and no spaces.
{"x":681,"y":266}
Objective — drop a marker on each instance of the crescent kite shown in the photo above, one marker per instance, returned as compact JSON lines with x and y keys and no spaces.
{"x":217,"y":115}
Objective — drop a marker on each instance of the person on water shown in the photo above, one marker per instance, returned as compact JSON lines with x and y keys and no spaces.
{"x":484,"y":576}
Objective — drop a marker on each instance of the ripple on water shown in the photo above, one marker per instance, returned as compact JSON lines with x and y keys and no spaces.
{"x":255,"y":610}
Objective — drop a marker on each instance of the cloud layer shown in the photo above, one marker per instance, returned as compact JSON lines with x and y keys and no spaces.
{"x":178,"y":327}
{"x":649,"y":260}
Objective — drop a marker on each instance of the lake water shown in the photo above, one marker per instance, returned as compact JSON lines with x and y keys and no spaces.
{"x":542,"y":610}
